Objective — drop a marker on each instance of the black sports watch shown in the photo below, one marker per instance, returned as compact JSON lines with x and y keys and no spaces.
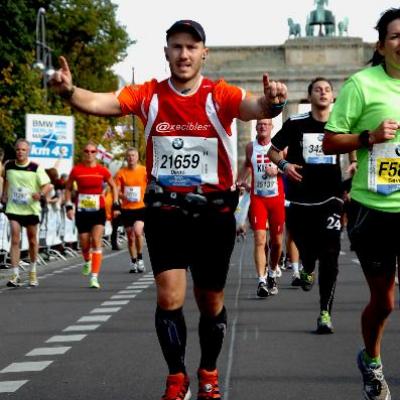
{"x":363,"y":139}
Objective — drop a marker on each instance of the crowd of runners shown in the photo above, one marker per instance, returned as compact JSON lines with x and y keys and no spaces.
{"x":188,"y":192}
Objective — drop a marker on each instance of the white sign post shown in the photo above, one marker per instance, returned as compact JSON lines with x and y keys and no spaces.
{"x":52,"y":141}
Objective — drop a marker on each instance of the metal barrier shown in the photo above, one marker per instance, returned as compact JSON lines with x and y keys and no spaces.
{"x":57,"y":237}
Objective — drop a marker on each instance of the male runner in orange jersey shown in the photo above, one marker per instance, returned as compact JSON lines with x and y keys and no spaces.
{"x":131,"y":183}
{"x":191,"y":194}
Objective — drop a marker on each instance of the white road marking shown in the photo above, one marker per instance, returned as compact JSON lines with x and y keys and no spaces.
{"x":65,"y":338}
{"x":233,"y":327}
{"x":140,"y":285}
{"x":10,"y":386}
{"x":48,"y":351}
{"x":74,"y":328}
{"x":137,"y":287}
{"x":105,"y":310}
{"x":94,"y":318}
{"x":124,"y":296}
{"x":115,"y":303}
{"x":129,"y":291}
{"x":26,"y":366}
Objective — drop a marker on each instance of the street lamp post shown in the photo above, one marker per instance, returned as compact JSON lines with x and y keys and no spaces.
{"x":133,"y":116}
{"x":43,"y":51}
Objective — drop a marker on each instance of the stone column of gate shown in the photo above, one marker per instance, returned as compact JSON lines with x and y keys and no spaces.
{"x":290,"y":109}
{"x":244,"y":137}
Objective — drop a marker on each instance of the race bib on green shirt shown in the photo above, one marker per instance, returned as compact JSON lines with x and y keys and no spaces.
{"x":384,"y":168}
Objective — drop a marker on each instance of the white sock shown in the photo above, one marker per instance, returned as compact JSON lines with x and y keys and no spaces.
{"x":33,"y":266}
{"x":261,"y":279}
{"x":295,"y":267}
{"x":15,"y":271}
{"x":94,"y":275}
{"x":272,"y":273}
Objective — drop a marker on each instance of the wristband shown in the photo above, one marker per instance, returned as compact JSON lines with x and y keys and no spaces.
{"x":116,"y":206}
{"x":69,"y":206}
{"x":68,"y":93}
{"x":278,"y":106}
{"x":363,"y":139}
{"x":282,"y":164}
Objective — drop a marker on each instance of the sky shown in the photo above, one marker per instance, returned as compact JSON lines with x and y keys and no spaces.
{"x":228,"y":23}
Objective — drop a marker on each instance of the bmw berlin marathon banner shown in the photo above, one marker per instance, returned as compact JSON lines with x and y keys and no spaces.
{"x":52,"y":141}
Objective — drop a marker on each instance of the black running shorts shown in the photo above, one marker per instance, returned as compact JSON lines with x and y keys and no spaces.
{"x":86,"y":220}
{"x":374,"y":236}
{"x":24,"y":220}
{"x":316,"y":229}
{"x":204,"y":243}
{"x":129,"y":217}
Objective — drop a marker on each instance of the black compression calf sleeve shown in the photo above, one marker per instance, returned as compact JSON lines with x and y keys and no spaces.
{"x":211,"y":333}
{"x":328,"y":272}
{"x":171,"y":332}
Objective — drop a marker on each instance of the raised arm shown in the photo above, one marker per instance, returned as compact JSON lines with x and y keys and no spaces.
{"x":267,"y":106}
{"x":102,"y":104}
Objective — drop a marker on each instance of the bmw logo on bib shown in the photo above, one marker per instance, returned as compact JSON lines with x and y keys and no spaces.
{"x":177,"y":143}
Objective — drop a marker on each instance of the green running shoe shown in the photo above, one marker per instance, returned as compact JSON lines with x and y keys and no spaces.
{"x":307,"y":280}
{"x":324,"y":323}
{"x":87,"y":268}
{"x":375,"y":386}
{"x":94,"y":283}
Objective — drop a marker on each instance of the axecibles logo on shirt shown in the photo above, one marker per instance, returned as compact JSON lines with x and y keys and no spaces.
{"x":166,"y":127}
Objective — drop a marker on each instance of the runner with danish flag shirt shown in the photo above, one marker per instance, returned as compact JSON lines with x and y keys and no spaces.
{"x":267,"y":205}
{"x":90,"y":215}
{"x":191,"y":193}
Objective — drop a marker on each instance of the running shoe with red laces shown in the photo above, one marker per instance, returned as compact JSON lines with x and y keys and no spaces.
{"x":177,"y":387}
{"x":208,"y":385}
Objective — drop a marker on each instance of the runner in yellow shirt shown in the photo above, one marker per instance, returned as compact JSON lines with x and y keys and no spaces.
{"x":25,"y":183}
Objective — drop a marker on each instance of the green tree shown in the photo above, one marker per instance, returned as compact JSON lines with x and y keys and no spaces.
{"x":85,"y":32}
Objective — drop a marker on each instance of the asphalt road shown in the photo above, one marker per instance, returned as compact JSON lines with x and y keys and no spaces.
{"x":65,"y":341}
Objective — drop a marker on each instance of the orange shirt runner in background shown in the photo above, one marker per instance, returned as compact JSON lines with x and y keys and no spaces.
{"x":132,"y":183}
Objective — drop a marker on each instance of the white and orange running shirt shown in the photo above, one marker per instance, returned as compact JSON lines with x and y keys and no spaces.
{"x":262,"y":184}
{"x":188,"y":137}
{"x":132,"y":184}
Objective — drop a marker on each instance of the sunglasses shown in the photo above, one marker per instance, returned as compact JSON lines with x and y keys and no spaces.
{"x":90,"y":151}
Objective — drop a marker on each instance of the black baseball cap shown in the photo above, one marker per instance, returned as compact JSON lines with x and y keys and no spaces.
{"x":187,"y":25}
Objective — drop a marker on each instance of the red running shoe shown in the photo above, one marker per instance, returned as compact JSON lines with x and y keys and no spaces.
{"x":177,"y":387}
{"x":208,"y":385}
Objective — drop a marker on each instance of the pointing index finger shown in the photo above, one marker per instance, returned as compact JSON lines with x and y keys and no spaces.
{"x":266,"y":80}
{"x":64,"y":64}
